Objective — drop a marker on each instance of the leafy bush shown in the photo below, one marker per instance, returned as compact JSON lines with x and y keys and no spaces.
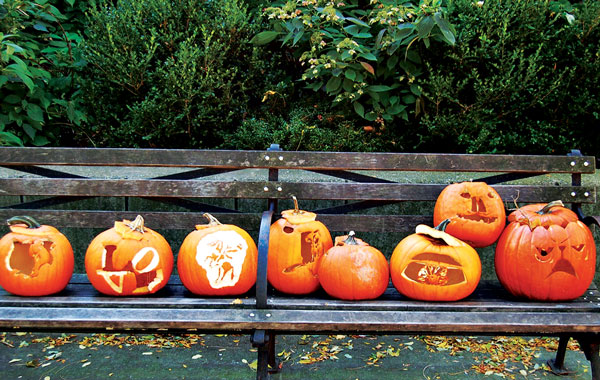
{"x":38,"y":56}
{"x":361,"y":54}
{"x":523,"y":78}
{"x":171,"y":73}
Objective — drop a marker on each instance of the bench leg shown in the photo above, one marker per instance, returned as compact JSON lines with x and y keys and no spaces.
{"x":267,"y":363}
{"x":557,"y":365}
{"x":591,"y":348}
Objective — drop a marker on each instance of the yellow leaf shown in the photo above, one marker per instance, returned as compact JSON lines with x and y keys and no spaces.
{"x":253,"y":365}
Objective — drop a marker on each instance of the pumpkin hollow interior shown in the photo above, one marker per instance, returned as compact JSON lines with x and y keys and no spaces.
{"x":309,"y":248}
{"x":27,"y":257}
{"x":434,"y":269}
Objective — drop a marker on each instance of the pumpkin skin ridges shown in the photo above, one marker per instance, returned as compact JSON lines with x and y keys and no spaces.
{"x":128,"y":243}
{"x":545,"y":255}
{"x":486,"y":226}
{"x":50,"y":274}
{"x":421,"y":245}
{"x":194,"y":276}
{"x":353,"y":271}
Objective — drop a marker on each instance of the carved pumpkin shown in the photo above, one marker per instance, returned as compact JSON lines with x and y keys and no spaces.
{"x":353,"y":270}
{"x":476,"y":212}
{"x":296,"y":243}
{"x":545,"y":253}
{"x":129,"y":259}
{"x":217,"y":259}
{"x":37,"y":260}
{"x":432,"y":265}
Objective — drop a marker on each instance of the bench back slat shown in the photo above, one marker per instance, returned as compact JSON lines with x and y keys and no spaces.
{"x":296,"y":160}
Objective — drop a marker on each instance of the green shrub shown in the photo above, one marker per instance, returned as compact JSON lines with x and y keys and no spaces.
{"x":38,"y":56}
{"x":171,"y":73}
{"x":523,"y":78}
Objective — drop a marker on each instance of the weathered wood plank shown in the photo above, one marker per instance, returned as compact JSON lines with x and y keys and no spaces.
{"x":300,"y":160}
{"x":278,"y":189}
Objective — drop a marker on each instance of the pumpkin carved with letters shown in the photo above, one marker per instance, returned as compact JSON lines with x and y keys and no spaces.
{"x":129,"y":259}
{"x":432,"y":265}
{"x":475,"y":210}
{"x":37,"y":260}
{"x":217,"y":259}
{"x":545,"y":253}
{"x":296,"y":243}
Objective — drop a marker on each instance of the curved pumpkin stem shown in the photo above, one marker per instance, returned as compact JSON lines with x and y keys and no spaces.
{"x":27,"y":220}
{"x":137,"y":224}
{"x":212,"y":221}
{"x":297,"y":210}
{"x":547,"y":207}
{"x":350,"y":240}
{"x":442,"y":226}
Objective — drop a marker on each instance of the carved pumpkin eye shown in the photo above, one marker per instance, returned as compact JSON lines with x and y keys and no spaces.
{"x":465,"y":195}
{"x":491,"y":195}
{"x":543,"y":255}
{"x":579,"y":247}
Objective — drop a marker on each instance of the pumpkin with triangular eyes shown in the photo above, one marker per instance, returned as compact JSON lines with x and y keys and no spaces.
{"x":129,"y":259}
{"x":475,"y":210}
{"x":545,"y":253}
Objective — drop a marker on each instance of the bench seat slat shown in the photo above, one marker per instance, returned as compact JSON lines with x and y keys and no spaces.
{"x":304,"y":160}
{"x":265,"y":189}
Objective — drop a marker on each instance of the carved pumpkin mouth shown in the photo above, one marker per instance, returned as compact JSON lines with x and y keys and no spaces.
{"x":563,"y":266}
{"x":434,"y":269}
{"x":311,"y":248}
{"x":27,"y":257}
{"x":478,"y":218}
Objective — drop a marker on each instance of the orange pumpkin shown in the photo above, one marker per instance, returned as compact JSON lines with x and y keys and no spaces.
{"x":37,"y":260}
{"x":545,"y":253}
{"x":432,"y":265}
{"x":476,"y":212}
{"x":296,"y":243}
{"x":353,"y":270}
{"x":129,"y":259}
{"x":217,"y":259}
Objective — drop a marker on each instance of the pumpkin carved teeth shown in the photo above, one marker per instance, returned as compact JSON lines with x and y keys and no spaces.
{"x":478,"y":218}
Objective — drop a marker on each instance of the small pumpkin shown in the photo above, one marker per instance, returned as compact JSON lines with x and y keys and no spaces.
{"x":545,"y":253}
{"x":37,"y":260}
{"x":353,"y":270}
{"x":432,"y":265}
{"x":129,"y":259}
{"x":217,"y":259}
{"x":296,"y":243}
{"x":476,"y":212}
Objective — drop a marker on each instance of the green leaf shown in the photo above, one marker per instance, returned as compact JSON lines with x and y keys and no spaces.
{"x":265,"y":37}
{"x":379,"y":37}
{"x":368,"y":56}
{"x":357,"y":21}
{"x":29,"y":130}
{"x":425,"y":26}
{"x":350,"y":74}
{"x":445,"y":28}
{"x":348,"y":85}
{"x":392,"y":62}
{"x":7,"y":138}
{"x":409,"y":99}
{"x":18,"y":71}
{"x":12,"y":99}
{"x":396,"y":109}
{"x":352,"y":29}
{"x":297,"y":37}
{"x":379,"y":88}
{"x":415,"y":89}
{"x":359,"y":109}
{"x":333,"y":84}
{"x":35,"y":112}
{"x":371,"y":116}
{"x":40,"y":140}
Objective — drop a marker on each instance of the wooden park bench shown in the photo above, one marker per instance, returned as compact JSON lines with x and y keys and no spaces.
{"x":371,"y":193}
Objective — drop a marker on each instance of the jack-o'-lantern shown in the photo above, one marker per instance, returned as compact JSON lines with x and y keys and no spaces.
{"x":217,"y":259}
{"x":37,"y":260}
{"x":432,"y":265}
{"x":353,"y":270}
{"x":296,"y":243}
{"x":476,"y":212}
{"x":545,"y":253}
{"x":129,"y":259}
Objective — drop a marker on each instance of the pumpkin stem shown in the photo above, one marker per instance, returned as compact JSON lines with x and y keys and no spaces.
{"x":27,"y":220}
{"x":442,"y":226}
{"x":350,"y":240}
{"x":211,"y":219}
{"x":547,"y":207}
{"x":297,"y":210}
{"x":137,"y":224}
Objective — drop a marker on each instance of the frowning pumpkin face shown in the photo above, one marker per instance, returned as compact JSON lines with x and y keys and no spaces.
{"x":476,"y":212}
{"x":432,"y":265}
{"x":545,"y":254}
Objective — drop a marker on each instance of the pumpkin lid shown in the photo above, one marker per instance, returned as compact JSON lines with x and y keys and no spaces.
{"x":543,"y":215}
{"x":212,"y":222}
{"x":297,"y":216}
{"x":439,"y":233}
{"x":131,"y":230}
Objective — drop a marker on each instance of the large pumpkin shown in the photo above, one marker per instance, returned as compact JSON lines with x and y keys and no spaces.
{"x":475,"y":210}
{"x":432,"y":265}
{"x":353,"y":270}
{"x":129,"y":259}
{"x":296,"y":243}
{"x":545,"y":253}
{"x":217,"y":259}
{"x":37,"y":260}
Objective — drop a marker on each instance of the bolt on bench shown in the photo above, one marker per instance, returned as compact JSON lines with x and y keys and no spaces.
{"x":372,"y":193}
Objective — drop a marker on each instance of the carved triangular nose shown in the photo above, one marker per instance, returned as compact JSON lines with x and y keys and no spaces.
{"x":477,"y":205}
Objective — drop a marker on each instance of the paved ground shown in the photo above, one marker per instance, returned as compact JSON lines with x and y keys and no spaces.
{"x":87,"y":356}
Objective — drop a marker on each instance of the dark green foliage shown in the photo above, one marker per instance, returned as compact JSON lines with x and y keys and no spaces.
{"x":171,"y":73}
{"x":523,"y":77}
{"x":38,"y":55}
